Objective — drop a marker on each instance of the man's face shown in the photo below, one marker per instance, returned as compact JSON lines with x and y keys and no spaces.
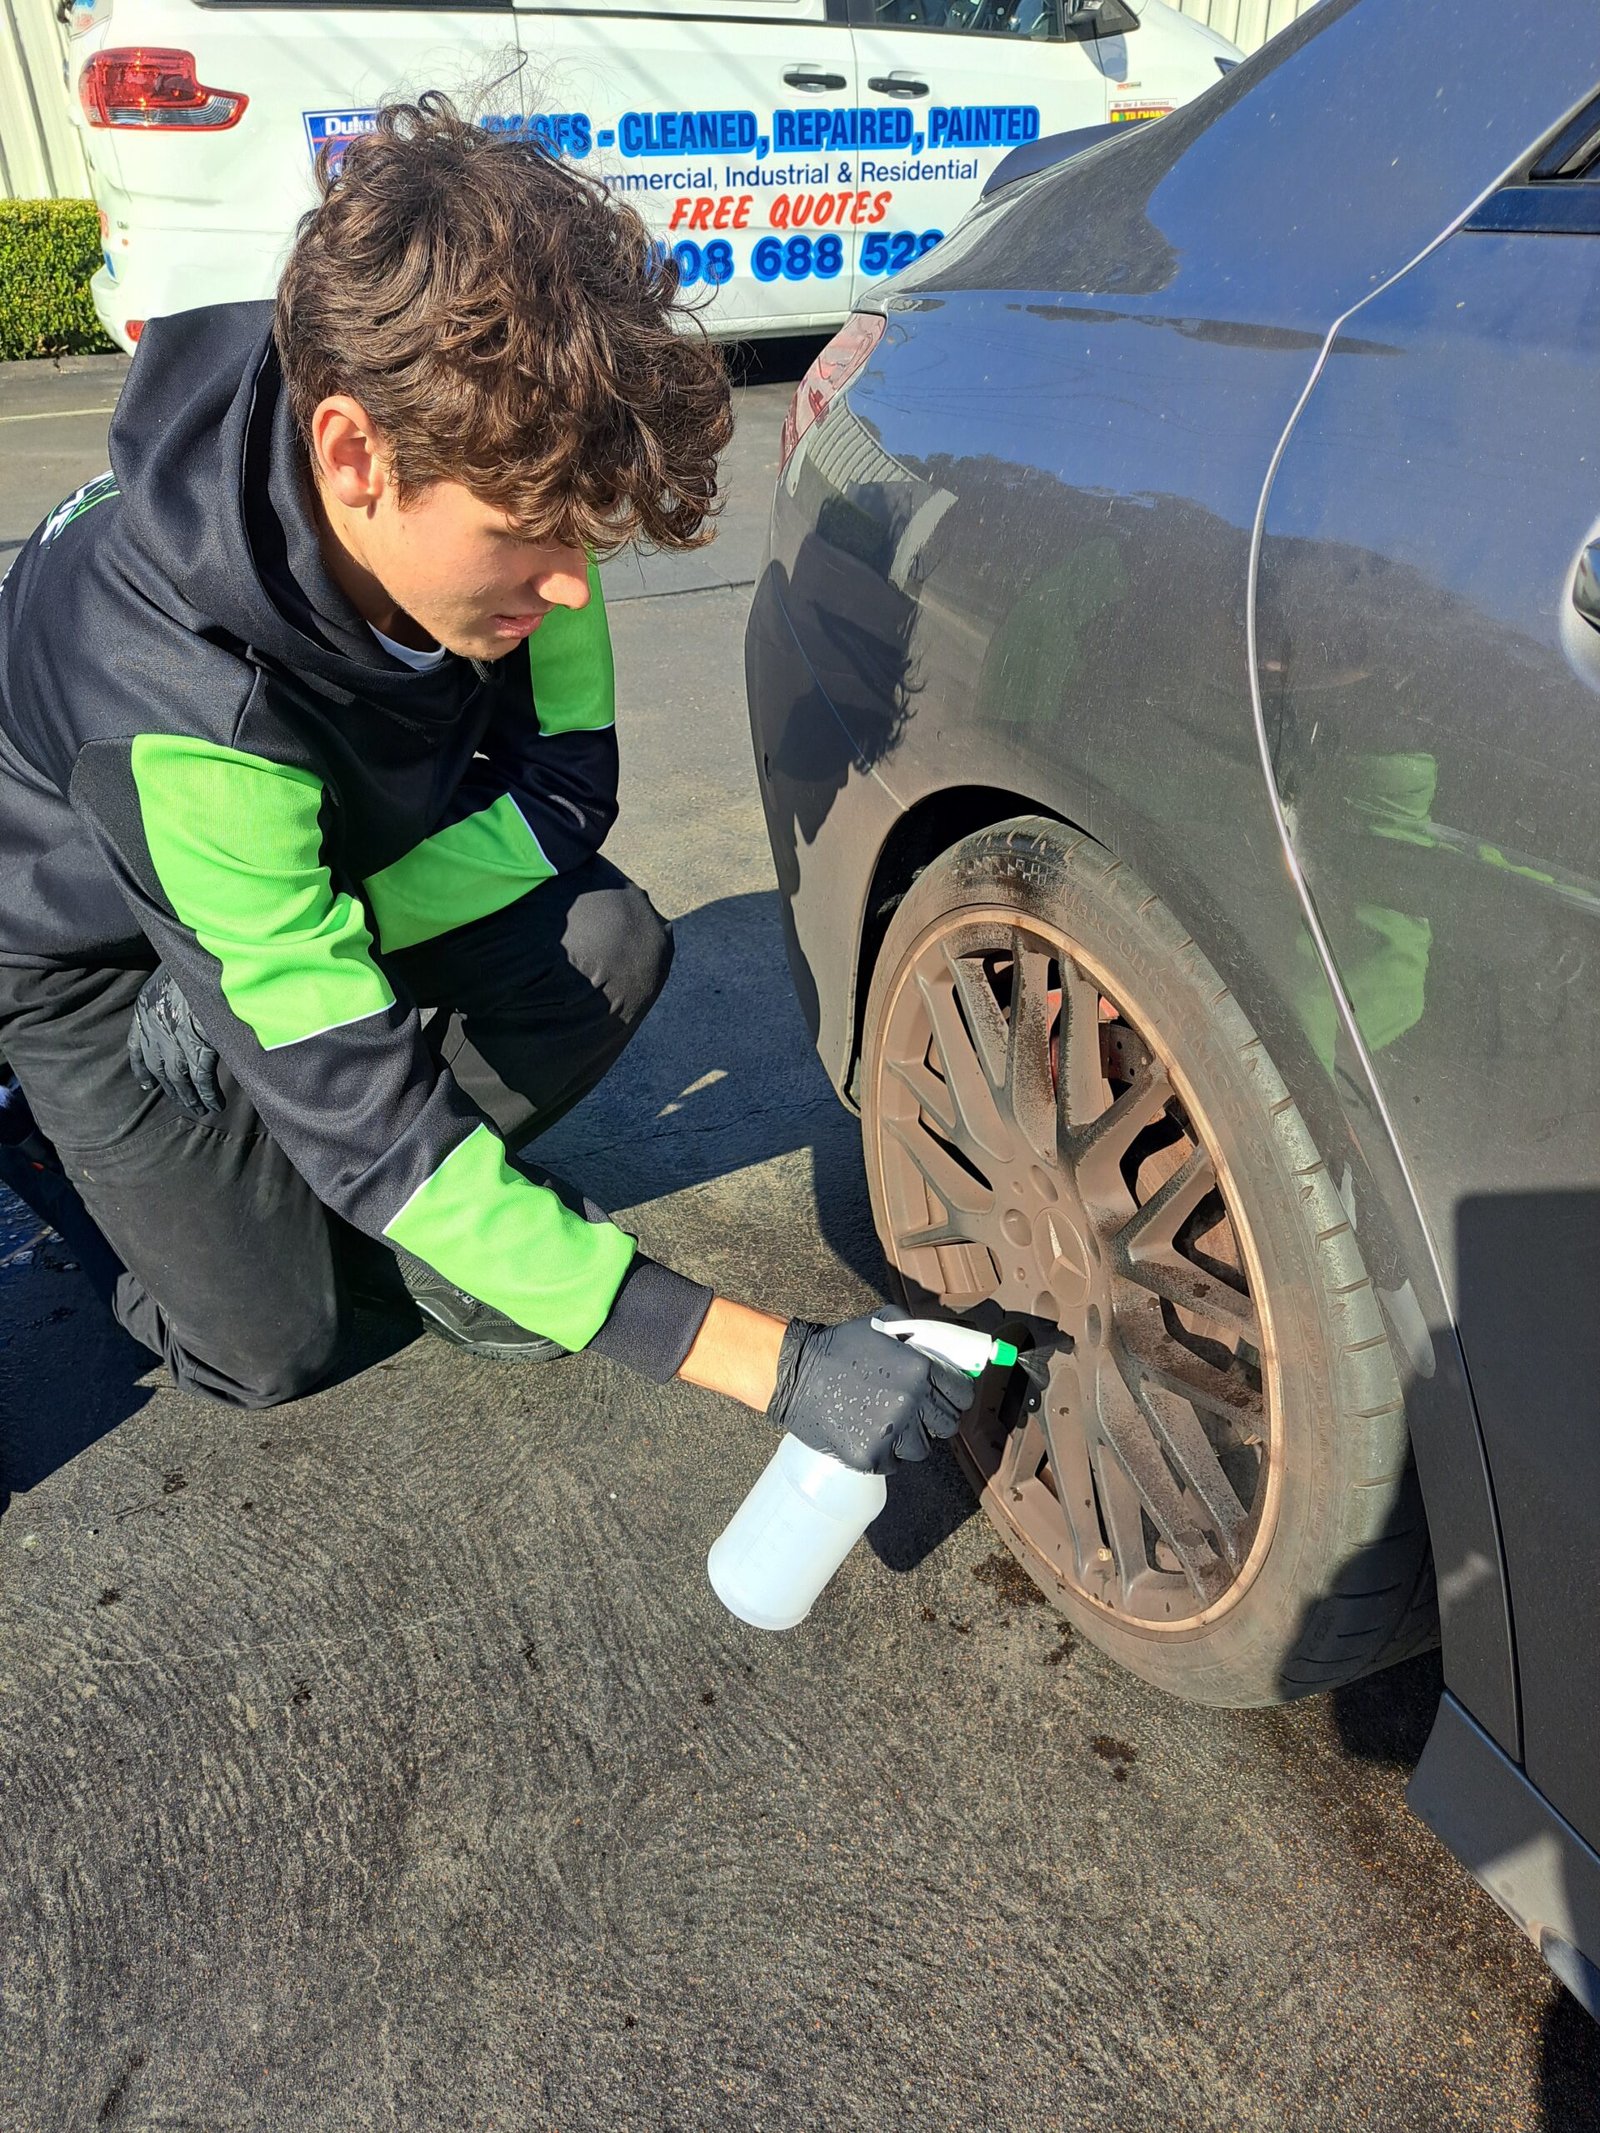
{"x":456,"y":567}
{"x":445,"y":559}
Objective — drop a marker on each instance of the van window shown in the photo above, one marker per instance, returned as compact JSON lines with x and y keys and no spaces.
{"x":982,"y":18}
{"x":477,"y":7}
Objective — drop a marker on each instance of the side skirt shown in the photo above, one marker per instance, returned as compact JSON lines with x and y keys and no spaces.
{"x":1532,"y":1862}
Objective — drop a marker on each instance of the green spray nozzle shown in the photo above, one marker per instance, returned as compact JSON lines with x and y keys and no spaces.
{"x":964,"y":1348}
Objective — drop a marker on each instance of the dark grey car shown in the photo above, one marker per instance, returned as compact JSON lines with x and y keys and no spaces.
{"x":1175,"y":684}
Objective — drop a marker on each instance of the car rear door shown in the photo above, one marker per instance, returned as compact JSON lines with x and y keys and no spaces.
{"x":1428,"y":660}
{"x":690,"y":110}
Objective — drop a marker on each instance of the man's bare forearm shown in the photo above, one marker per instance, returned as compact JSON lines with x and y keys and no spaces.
{"x":736,"y":1353}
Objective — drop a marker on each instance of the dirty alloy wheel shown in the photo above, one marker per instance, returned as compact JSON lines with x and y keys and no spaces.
{"x":1073,"y":1133}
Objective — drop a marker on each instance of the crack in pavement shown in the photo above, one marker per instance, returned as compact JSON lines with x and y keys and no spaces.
{"x":678,"y":592}
{"x":669,"y":1128}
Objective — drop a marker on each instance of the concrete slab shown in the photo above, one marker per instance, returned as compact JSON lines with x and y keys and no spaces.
{"x":53,"y":418}
{"x":386,"y":1762}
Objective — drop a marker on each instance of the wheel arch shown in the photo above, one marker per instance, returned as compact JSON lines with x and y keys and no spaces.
{"x":927,"y":828}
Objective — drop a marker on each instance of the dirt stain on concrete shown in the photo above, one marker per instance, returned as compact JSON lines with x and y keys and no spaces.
{"x":1009,"y":1582}
{"x":1117,"y":1753}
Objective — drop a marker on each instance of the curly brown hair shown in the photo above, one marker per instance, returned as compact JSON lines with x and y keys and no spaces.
{"x":508,"y":325}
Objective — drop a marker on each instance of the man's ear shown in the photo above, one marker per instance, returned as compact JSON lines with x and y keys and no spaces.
{"x":347,"y":453}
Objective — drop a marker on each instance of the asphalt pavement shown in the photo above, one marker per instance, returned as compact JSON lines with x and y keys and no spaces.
{"x":385,"y":1761}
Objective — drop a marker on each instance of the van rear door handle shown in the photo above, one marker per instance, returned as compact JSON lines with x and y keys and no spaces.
{"x":1586,"y":586}
{"x":897,"y":85}
{"x":815,"y":79}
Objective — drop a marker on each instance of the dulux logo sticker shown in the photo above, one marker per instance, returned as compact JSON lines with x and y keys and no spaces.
{"x":338,"y":129}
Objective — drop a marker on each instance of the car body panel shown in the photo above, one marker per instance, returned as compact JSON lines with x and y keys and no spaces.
{"x":1014,"y":559}
{"x":1432,"y":701}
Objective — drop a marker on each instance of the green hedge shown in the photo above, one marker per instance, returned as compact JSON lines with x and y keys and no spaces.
{"x":48,"y":250}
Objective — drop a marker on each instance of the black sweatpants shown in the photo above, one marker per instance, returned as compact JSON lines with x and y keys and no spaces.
{"x":227,"y":1264}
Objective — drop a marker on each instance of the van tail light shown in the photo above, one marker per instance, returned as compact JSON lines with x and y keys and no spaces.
{"x":133,"y":328}
{"x":147,"y":85}
{"x":828,"y":376}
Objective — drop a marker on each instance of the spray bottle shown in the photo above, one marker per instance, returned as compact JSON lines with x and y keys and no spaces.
{"x":808,"y":1509}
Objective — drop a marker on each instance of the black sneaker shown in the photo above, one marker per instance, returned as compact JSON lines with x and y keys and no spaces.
{"x":468,"y":1323}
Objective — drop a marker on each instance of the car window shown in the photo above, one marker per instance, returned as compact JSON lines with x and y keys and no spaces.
{"x":1557,"y":190}
{"x":830,"y":11}
{"x":343,"y":6}
{"x":983,"y":18}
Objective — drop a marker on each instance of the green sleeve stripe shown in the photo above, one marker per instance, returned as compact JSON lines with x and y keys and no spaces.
{"x":236,"y":843}
{"x":574,"y":675}
{"x":488,"y":860}
{"x":460,"y":873}
{"x":513,"y":1244}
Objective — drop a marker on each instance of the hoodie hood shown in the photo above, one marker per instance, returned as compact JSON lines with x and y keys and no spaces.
{"x":217,"y":525}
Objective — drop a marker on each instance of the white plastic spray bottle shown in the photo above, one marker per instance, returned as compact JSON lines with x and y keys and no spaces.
{"x":808,"y":1509}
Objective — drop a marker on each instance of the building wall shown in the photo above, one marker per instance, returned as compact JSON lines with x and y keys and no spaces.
{"x":1247,"y":23}
{"x":39,"y":150}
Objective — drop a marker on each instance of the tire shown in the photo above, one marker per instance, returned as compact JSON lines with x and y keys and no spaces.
{"x":1072,"y":1132}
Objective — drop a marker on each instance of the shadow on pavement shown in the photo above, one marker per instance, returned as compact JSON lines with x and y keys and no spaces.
{"x":68,"y":1374}
{"x":723,"y":1080}
{"x":927,"y":1503}
{"x":1387,"y":1717}
{"x":1569,"y":2066}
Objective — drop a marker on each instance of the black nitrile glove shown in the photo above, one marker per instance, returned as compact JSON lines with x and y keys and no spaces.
{"x":168,"y":1050}
{"x":866,"y":1399}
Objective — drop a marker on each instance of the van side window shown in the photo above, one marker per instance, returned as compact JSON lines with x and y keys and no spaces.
{"x":983,"y":18}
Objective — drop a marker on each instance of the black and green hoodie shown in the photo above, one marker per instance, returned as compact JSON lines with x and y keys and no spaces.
{"x":205,"y":753}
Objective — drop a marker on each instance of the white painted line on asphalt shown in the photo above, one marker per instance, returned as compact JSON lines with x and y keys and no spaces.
{"x":60,"y":414}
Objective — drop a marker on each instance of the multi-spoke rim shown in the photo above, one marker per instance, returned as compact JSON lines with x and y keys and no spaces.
{"x":1044,"y":1166}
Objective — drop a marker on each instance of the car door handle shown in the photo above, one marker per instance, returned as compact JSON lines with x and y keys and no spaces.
{"x":814,"y":78}
{"x":1586,"y":586}
{"x":897,"y":85}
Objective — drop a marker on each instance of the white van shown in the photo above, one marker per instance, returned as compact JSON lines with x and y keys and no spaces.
{"x":791,"y":152}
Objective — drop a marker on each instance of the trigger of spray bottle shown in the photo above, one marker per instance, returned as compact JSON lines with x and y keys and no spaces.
{"x":964,"y":1348}
{"x":807,"y":1510}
